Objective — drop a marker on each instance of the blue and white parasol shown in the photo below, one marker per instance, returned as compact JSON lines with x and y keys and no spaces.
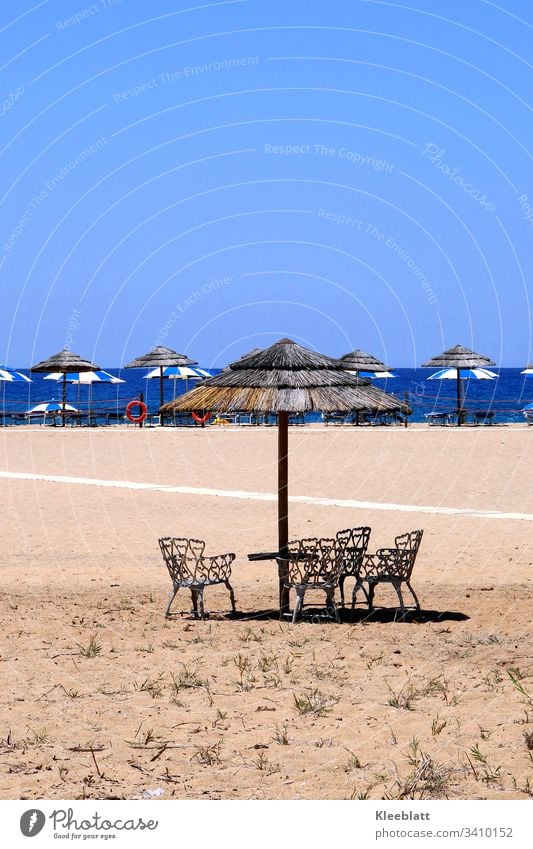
{"x":474,"y":373}
{"x":12,"y":376}
{"x":180,"y":373}
{"x":85,"y":377}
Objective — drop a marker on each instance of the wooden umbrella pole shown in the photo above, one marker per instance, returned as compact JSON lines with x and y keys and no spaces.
{"x":64,"y":398}
{"x":283,"y":508}
{"x":459,"y":399}
{"x":161,"y":390}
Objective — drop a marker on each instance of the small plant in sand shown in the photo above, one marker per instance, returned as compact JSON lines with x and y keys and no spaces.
{"x":146,"y":739}
{"x":298,"y":644}
{"x":267,"y":662}
{"x":402,"y":698}
{"x":281,"y":734}
{"x":314,"y":702}
{"x":438,"y":725}
{"x":71,"y":694}
{"x":246,"y":678}
{"x":484,"y":772}
{"x":427,"y":780}
{"x":526,"y":787}
{"x":208,"y":754}
{"x":187,"y":678}
{"x":353,"y":761}
{"x":154,"y":686}
{"x":492,"y":679}
{"x":249,"y":635}
{"x":35,"y":738}
{"x":263,"y":764}
{"x":288,"y":664}
{"x":528,"y":739}
{"x":516,"y":680}
{"x":220,"y":718}
{"x":92,"y":649}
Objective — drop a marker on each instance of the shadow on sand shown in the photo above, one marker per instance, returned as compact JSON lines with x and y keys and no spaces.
{"x":319,"y":616}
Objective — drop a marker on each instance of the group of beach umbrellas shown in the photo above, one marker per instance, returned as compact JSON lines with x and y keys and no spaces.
{"x":457,"y":363}
{"x":284,"y":379}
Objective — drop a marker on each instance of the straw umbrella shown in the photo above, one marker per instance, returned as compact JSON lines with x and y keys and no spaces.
{"x":460,"y":359}
{"x":283,"y":379}
{"x":161,"y":357}
{"x":365,"y":365}
{"x":65,"y":362}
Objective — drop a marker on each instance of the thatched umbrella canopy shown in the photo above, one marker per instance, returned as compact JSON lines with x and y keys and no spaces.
{"x":161,"y":357}
{"x":283,"y":379}
{"x":360,"y":361}
{"x":66,"y":362}
{"x":459,"y":358}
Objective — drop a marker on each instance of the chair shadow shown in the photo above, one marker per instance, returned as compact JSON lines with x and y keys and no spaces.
{"x":392,"y":614}
{"x":360,"y":615}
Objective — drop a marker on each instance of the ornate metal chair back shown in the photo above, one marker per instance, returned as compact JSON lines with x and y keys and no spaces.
{"x":409,"y":544}
{"x":315,"y":561}
{"x":354,"y":543}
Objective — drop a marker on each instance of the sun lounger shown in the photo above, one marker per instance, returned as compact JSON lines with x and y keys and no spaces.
{"x":483,"y":417}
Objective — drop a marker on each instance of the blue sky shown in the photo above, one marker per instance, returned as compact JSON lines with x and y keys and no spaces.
{"x":214,"y":176}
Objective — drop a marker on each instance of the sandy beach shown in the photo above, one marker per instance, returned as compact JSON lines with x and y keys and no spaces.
{"x":102,"y":698}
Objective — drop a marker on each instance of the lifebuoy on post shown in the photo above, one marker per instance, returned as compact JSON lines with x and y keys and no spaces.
{"x":201,"y":420}
{"x":143,"y":411}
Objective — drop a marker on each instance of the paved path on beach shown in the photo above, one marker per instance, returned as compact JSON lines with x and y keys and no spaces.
{"x":267,"y":496}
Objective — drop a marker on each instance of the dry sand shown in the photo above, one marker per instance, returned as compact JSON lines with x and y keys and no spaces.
{"x":255,"y":708}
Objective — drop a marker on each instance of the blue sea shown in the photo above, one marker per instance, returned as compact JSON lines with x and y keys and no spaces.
{"x":505,"y":396}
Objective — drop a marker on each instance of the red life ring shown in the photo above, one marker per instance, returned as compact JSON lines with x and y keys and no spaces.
{"x":201,"y":420}
{"x":143,"y":411}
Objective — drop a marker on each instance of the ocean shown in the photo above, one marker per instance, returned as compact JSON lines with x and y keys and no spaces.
{"x":505,"y":397}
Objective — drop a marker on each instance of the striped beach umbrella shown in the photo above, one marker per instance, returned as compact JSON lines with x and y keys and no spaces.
{"x":180,"y":373}
{"x":459,"y":361}
{"x":86,"y":378}
{"x":471,"y":373}
{"x":51,"y":407}
{"x":11,"y":376}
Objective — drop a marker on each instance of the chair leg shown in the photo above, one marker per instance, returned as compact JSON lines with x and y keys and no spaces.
{"x":194,"y":596}
{"x":330,"y":599}
{"x":398,"y":587}
{"x":356,"y":587}
{"x":232,"y":596}
{"x":371,"y":591}
{"x":201,"y":610}
{"x":341,"y":588}
{"x":411,"y":590}
{"x":298,"y":604}
{"x":171,"y":598}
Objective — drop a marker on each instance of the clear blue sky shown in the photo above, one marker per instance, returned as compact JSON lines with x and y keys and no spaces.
{"x":215,"y":175}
